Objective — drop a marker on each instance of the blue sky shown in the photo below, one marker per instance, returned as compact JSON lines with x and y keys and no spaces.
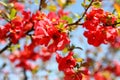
{"x":77,"y":34}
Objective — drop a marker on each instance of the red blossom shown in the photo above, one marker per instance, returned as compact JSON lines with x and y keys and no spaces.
{"x":67,"y":63}
{"x":117,"y":68}
{"x":99,"y":76}
{"x":99,"y":23}
{"x":76,"y":76}
{"x":24,"y":56}
{"x":48,"y":33}
{"x":45,"y":55}
{"x":16,"y":28}
{"x":116,"y":42}
{"x":61,"y":13}
{"x":18,"y":6}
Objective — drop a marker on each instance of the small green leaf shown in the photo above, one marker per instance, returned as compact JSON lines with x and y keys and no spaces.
{"x":97,"y":4}
{"x":67,"y":18}
{"x":52,"y":8}
{"x":75,"y":15}
{"x":12,"y":13}
{"x":79,"y":59}
{"x":117,"y":1}
{"x":65,"y":50}
{"x":36,"y":2}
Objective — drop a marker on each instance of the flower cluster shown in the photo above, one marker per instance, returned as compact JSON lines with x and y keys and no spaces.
{"x":16,"y":28}
{"x":49,"y":30}
{"x":104,"y":73}
{"x":24,"y":57}
{"x":100,"y":27}
{"x":68,"y":64}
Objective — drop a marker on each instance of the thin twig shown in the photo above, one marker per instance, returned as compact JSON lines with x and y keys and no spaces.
{"x":6,"y":47}
{"x":71,"y":24}
{"x":115,"y":23}
{"x":25,"y":75}
{"x":77,"y":22}
{"x":41,"y":3}
{"x":3,"y":66}
{"x":10,"y":43}
{"x":40,"y":7}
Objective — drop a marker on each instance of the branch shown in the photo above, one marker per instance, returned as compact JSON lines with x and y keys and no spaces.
{"x":3,"y":66}
{"x":40,"y":7}
{"x":41,"y":3}
{"x":115,"y":23}
{"x":25,"y":75}
{"x":10,"y":43}
{"x":77,"y":22}
{"x":6,"y":47}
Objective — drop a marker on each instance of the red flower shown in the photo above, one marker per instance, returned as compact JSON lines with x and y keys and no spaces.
{"x":60,"y":40}
{"x":66,"y":64}
{"x":99,"y":76}
{"x":93,"y":37}
{"x":48,"y":33}
{"x":17,"y":28}
{"x":117,"y":69}
{"x":61,"y":13}
{"x":18,"y":6}
{"x":24,"y":56}
{"x":4,"y":30}
{"x":98,"y":27}
{"x":116,"y":43}
{"x":45,"y":55}
{"x":75,"y":76}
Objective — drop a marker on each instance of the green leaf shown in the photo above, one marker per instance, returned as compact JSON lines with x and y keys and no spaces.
{"x":117,"y":1}
{"x":67,"y":18}
{"x":36,"y":2}
{"x":14,"y":47}
{"x":12,"y":13}
{"x":65,"y":50}
{"x":97,"y":4}
{"x":52,"y":7}
{"x":79,"y":59}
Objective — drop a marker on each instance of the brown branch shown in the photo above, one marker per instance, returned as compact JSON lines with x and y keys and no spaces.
{"x":77,"y":22}
{"x":25,"y":75}
{"x":10,"y":43}
{"x":3,"y":66}
{"x":115,"y":23}
{"x":6,"y":47}
{"x":41,"y":3}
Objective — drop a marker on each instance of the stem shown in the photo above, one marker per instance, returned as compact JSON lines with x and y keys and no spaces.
{"x":7,"y":46}
{"x":3,"y":3}
{"x":3,"y":66}
{"x":40,"y":5}
{"x":77,"y":22}
{"x":115,"y":23}
{"x":25,"y":75}
{"x":78,"y":48}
